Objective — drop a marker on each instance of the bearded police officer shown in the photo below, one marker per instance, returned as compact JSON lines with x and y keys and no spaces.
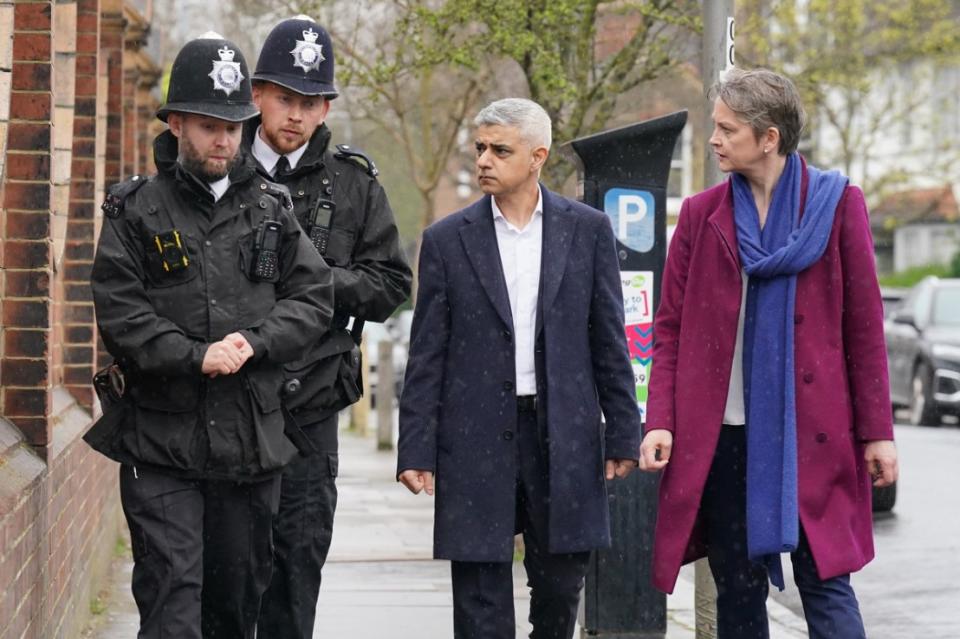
{"x":344,"y":210}
{"x":204,"y":285}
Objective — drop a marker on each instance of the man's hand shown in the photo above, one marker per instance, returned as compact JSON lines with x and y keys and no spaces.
{"x":238,"y":340}
{"x":222,"y":358}
{"x":619,"y":468}
{"x":417,"y":480}
{"x":655,"y":450}
{"x":882,"y":463}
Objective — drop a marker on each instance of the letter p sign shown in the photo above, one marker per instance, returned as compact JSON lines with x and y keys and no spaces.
{"x":632,"y":214}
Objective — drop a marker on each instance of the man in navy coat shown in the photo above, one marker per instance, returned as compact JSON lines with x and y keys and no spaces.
{"x":518,"y":344}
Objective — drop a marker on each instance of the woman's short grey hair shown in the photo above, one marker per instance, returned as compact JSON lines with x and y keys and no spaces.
{"x":764,"y":99}
{"x":529,"y":117}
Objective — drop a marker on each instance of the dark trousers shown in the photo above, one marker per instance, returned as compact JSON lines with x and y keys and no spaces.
{"x":302,"y":534}
{"x":202,"y":552}
{"x":829,"y":605}
{"x":483,"y":591}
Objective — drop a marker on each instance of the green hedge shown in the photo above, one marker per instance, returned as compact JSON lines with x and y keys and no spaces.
{"x":909,"y":277}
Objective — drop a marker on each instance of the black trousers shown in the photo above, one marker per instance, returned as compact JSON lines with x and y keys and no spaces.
{"x":483,"y":591}
{"x":302,"y":534}
{"x":202,"y":552}
{"x":829,"y":605}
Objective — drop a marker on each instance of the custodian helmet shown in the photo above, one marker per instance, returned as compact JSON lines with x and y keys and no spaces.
{"x":298,"y":55}
{"x":210,"y":77}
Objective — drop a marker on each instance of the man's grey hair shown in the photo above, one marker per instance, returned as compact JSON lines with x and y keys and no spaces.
{"x":764,"y":99}
{"x":527,"y":116}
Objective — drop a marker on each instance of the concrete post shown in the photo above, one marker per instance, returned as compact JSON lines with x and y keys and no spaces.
{"x":385,"y":395}
{"x":360,"y":412}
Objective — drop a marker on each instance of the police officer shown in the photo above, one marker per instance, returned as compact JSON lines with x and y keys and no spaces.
{"x":204,"y":285}
{"x":344,"y":210}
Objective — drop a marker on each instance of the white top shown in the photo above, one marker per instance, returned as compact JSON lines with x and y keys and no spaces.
{"x":219,"y":187}
{"x":735,"y":412}
{"x":520,"y":256}
{"x":268,"y":158}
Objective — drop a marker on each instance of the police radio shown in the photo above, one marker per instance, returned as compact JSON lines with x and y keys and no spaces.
{"x":266,"y":251}
{"x":320,"y":224}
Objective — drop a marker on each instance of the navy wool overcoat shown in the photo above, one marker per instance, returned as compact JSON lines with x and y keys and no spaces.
{"x":458,"y":410}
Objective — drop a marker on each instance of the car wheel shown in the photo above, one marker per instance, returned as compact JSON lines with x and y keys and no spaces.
{"x":884,"y":499}
{"x":923,"y":410}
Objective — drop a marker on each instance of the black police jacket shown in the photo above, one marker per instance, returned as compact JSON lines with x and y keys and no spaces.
{"x":371,"y":276}
{"x":157,"y":318}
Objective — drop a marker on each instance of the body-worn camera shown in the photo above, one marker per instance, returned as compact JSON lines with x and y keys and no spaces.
{"x":266,"y":251}
{"x":173,"y":257}
{"x":320,"y":224}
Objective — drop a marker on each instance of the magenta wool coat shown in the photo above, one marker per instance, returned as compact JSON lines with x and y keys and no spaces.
{"x":842,"y":389}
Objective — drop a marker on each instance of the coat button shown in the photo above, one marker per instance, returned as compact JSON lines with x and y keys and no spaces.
{"x":508,"y":386}
{"x":808,"y":377}
{"x":507,"y":335}
{"x":208,"y":243}
{"x":798,"y":318}
{"x":507,"y":435}
{"x":821,"y":437}
{"x":213,"y":302}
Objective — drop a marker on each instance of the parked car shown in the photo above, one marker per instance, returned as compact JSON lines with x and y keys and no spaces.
{"x":892,"y":298}
{"x":884,"y":499}
{"x":923,"y":351}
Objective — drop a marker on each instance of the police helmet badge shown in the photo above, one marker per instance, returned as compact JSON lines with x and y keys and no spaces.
{"x":308,"y":54}
{"x":226,"y":73}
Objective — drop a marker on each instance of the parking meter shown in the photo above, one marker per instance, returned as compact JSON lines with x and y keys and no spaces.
{"x":624,"y":173}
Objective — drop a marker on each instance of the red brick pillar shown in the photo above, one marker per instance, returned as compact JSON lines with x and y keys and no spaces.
{"x":25,"y":364}
{"x":111,"y":70}
{"x":111,"y":52}
{"x":131,"y":78}
{"x":78,"y":327}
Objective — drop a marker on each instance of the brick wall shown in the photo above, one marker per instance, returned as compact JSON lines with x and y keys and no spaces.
{"x":61,"y":82}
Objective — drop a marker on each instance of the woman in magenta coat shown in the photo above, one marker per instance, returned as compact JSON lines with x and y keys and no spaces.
{"x":769,"y":408}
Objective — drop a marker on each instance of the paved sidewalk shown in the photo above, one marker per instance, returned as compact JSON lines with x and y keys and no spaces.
{"x":380,"y":580}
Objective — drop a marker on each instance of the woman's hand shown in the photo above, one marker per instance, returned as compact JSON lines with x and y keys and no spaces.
{"x":881,"y":456}
{"x":655,"y":450}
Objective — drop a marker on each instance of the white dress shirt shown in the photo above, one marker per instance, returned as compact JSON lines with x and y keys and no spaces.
{"x":520,"y":257}
{"x":268,"y":158}
{"x":219,"y":187}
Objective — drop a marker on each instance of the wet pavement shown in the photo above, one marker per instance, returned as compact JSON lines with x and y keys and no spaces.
{"x":380,"y":580}
{"x":912,"y":589}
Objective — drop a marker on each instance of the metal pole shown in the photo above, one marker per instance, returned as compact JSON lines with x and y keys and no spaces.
{"x":718,"y":56}
{"x":385,"y":395}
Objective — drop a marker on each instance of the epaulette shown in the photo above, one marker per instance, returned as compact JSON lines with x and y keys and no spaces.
{"x":344,"y":152}
{"x":117,"y":194}
{"x":278,"y":191}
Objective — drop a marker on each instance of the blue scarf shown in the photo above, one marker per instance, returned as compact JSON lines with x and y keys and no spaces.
{"x":772,"y":258}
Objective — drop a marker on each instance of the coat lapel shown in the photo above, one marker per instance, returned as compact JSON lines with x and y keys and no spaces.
{"x":723,"y":224}
{"x":559,"y":226}
{"x":479,"y":238}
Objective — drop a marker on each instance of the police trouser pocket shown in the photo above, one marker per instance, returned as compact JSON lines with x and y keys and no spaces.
{"x":165,"y":517}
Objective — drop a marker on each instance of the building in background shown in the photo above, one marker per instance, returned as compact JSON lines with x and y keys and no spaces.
{"x":76,"y":115}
